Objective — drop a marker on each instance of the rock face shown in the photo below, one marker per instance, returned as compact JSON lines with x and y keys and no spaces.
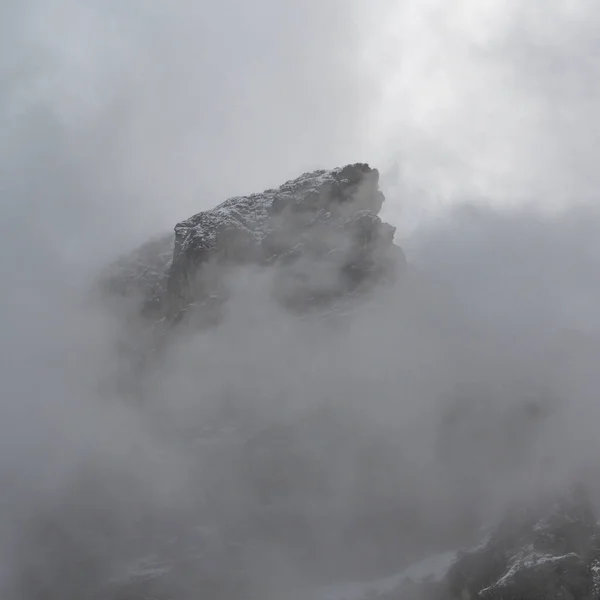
{"x":541,"y":552}
{"x":321,"y":232}
{"x":551,"y":551}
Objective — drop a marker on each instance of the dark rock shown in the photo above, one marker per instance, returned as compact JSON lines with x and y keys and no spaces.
{"x":546,"y":550}
{"x":537,"y":553}
{"x":320,"y":231}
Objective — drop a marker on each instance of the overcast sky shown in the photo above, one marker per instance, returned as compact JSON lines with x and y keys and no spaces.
{"x":130,"y":115}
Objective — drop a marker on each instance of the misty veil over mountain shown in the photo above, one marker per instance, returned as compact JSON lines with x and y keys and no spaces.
{"x":238,"y":364}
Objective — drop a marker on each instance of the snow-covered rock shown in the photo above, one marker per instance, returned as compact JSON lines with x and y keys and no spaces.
{"x":321,"y":230}
{"x":543,"y":551}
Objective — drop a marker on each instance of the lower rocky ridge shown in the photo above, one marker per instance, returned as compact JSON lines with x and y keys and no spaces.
{"x":544,"y":552}
{"x":539,"y":551}
{"x":548,"y":552}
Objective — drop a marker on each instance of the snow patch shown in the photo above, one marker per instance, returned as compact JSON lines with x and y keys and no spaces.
{"x":526,"y":561}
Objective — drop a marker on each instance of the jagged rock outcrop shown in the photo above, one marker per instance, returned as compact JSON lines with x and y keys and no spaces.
{"x":549,"y":551}
{"x":321,"y":232}
{"x":541,"y":551}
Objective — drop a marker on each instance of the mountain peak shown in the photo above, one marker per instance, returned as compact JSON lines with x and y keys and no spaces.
{"x":320,"y":231}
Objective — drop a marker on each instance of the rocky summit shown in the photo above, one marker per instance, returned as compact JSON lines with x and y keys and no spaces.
{"x":320,"y":232}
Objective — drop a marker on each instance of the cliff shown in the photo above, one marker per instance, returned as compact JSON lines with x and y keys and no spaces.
{"x":320,"y":234}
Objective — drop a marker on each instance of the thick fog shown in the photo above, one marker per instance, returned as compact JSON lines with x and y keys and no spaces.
{"x":473,"y":382}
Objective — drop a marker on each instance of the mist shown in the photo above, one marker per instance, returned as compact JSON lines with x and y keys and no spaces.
{"x":472,"y":381}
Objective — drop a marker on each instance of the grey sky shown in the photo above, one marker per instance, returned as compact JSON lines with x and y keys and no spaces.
{"x":159,"y":109}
